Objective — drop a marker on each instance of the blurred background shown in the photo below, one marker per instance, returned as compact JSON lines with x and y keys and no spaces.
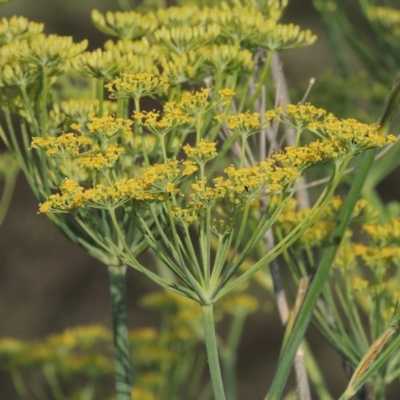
{"x":47,"y":284}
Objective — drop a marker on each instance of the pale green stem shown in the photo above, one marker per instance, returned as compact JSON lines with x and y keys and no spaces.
{"x":298,"y":134}
{"x":139,"y":131}
{"x":164,"y":150}
{"x":229,"y":362}
{"x":52,"y":380}
{"x":261,"y":80}
{"x":6,"y":196}
{"x":19,"y":384}
{"x":243,"y":152}
{"x":212,"y":351}
{"x":43,"y":110}
{"x":100,"y":95}
{"x":122,"y":357}
{"x":205,"y":246}
{"x":198,"y":130}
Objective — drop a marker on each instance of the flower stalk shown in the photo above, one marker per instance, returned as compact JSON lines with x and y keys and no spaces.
{"x":212,"y":351}
{"x":122,"y":356}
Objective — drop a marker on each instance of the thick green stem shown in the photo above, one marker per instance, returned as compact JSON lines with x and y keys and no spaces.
{"x":230,"y":360}
{"x":212,"y":351}
{"x":122,"y":358}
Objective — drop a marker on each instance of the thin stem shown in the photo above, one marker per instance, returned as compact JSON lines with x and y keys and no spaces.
{"x":212,"y":351}
{"x":52,"y":380}
{"x":139,"y":131}
{"x":122,"y":357}
{"x":100,"y":95}
{"x":261,"y":80}
{"x":6,"y":196}
{"x":43,"y":110}
{"x":19,"y":384}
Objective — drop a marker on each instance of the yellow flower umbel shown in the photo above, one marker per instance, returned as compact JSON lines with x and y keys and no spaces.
{"x":180,"y":68}
{"x":18,"y":28}
{"x":79,"y":111}
{"x":276,"y":37}
{"x":124,"y":25}
{"x":64,"y":146}
{"x":99,"y":64}
{"x":183,"y":39}
{"x":51,"y":53}
{"x":179,"y":16}
{"x":351,"y":134}
{"x":107,"y":128}
{"x":137,"y":85}
{"x":228,"y":59}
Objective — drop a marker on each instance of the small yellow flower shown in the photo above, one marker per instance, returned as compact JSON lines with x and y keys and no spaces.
{"x":137,"y":85}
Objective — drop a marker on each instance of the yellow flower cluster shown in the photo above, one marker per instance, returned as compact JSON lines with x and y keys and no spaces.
{"x":124,"y":25}
{"x":67,"y":145}
{"x":297,"y":116}
{"x":101,"y":159}
{"x":273,"y":36}
{"x":384,"y":234}
{"x":242,"y":124}
{"x":376,"y":256}
{"x":352,"y":135}
{"x":179,"y":16}
{"x":197,"y":104}
{"x":228,"y":58}
{"x":137,"y":85}
{"x":80,"y":110}
{"x":183,"y":39}
{"x":17,"y":28}
{"x":107,"y":127}
{"x":85,"y":337}
{"x":180,"y":68}
{"x":162,"y":126}
{"x":238,"y":24}
{"x":318,"y":234}
{"x":202,"y":153}
{"x":139,"y":47}
{"x":100,"y":64}
{"x":240,"y":304}
{"x":49,"y":52}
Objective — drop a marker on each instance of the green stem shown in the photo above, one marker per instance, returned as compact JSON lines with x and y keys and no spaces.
{"x":122,"y":363}
{"x":6,"y":196}
{"x":229,"y":362}
{"x":52,"y":380}
{"x":261,"y":80}
{"x":139,"y":131}
{"x":43,"y":110}
{"x":19,"y":384}
{"x":100,"y":95}
{"x":212,"y":351}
